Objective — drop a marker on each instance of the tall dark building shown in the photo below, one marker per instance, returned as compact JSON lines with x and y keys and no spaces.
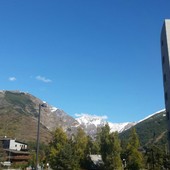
{"x":165,"y":51}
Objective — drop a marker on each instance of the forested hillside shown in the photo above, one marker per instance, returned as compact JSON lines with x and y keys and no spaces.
{"x":151,"y":131}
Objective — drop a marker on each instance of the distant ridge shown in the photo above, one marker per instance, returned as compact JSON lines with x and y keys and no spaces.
{"x":163,"y":110}
{"x":151,"y":130}
{"x":18,"y":117}
{"x":92,"y":122}
{"x":19,"y":112}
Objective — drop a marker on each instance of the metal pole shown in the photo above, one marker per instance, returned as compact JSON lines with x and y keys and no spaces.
{"x":38,"y":137}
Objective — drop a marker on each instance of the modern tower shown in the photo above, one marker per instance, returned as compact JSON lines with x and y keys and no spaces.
{"x":165,"y":51}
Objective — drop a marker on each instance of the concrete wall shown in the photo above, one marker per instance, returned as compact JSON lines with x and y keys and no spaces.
{"x":17,"y":145}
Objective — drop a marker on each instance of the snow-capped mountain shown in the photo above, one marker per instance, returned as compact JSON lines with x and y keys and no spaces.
{"x":163,"y":110}
{"x":90,"y":123}
{"x":26,"y":107}
{"x":120,"y":127}
{"x":87,"y":119}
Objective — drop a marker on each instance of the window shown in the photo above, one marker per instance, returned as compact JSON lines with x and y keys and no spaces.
{"x":162,"y":43}
{"x":163,"y":59}
{"x":168,"y":135}
{"x":15,"y":145}
{"x":164,"y":77}
{"x":166,"y":96}
{"x":167,"y":115}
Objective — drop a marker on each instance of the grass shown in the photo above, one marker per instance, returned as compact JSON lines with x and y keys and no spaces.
{"x":17,"y":119}
{"x":21,"y":101}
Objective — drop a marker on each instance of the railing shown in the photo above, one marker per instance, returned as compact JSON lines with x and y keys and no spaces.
{"x":19,"y":157}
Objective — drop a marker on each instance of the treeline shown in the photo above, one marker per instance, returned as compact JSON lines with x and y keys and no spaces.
{"x":73,"y":153}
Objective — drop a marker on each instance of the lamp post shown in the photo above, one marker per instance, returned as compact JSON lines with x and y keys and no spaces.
{"x":124,"y":163}
{"x":38,"y":133}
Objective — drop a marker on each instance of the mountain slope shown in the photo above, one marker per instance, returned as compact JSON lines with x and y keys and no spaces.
{"x":19,"y":112}
{"x":151,"y":130}
{"x":18,"y":117}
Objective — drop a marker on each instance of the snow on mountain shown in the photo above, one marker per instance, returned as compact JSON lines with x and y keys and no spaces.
{"x":92,"y":122}
{"x":120,"y":127}
{"x":53,"y":109}
{"x":151,"y":115}
{"x":86,"y":119}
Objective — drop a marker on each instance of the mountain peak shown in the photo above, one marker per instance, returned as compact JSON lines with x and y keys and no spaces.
{"x":92,"y":122}
{"x":160,"y":111}
{"x":87,"y":119}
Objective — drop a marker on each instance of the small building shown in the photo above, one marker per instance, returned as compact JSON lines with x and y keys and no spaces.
{"x":16,"y":151}
{"x":14,"y":145}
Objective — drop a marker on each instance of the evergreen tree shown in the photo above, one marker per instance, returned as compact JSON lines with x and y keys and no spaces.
{"x":80,"y":145}
{"x":67,"y":159}
{"x":134,"y":157}
{"x":65,"y":154}
{"x":32,"y":160}
{"x":92,"y":147}
{"x":156,"y":158}
{"x":104,"y":141}
{"x":166,"y":161}
{"x":110,"y":149}
{"x":43,"y":154}
{"x":3,"y":154}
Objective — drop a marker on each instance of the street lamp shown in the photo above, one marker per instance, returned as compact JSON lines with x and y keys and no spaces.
{"x":124,"y":163}
{"x":38,"y":133}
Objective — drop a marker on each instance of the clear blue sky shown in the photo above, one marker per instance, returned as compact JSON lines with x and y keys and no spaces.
{"x":85,"y":56}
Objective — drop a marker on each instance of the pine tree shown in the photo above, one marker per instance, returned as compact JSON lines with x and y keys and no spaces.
{"x":156,"y":157}
{"x":67,"y":159}
{"x":134,"y":157}
{"x":80,"y":145}
{"x":110,"y":149}
{"x":2,"y":153}
{"x":61,"y":152}
{"x":104,"y":141}
{"x":92,"y":147}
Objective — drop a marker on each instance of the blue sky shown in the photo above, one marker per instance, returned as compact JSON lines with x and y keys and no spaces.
{"x":85,"y":56}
